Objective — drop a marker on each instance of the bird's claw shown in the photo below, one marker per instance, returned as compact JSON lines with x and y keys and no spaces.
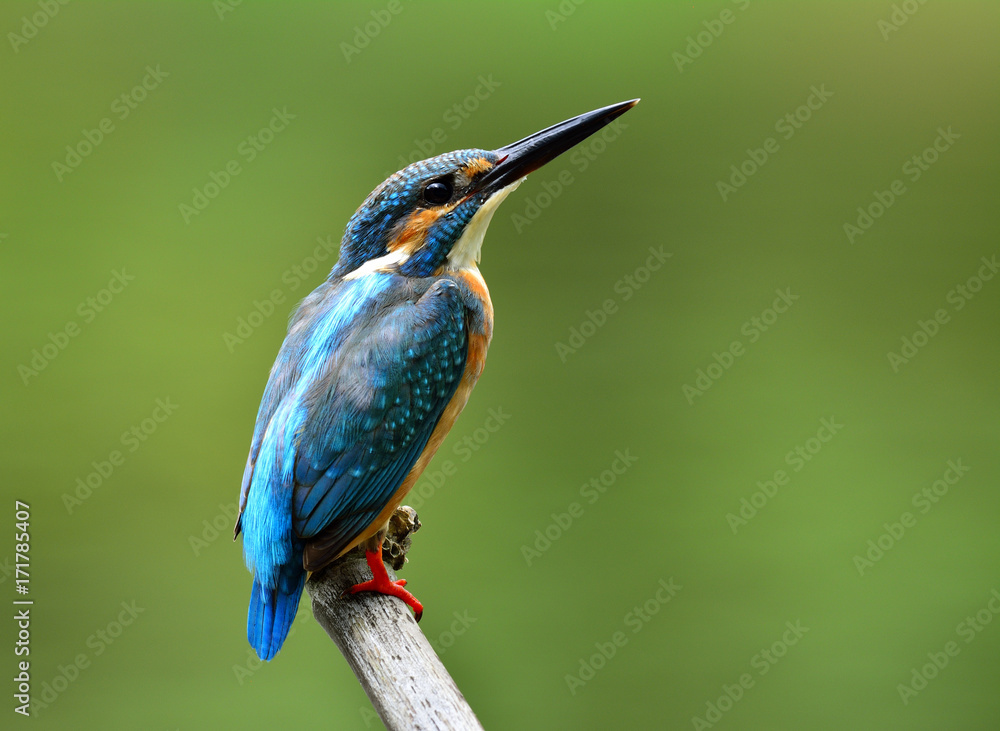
{"x":382,"y":584}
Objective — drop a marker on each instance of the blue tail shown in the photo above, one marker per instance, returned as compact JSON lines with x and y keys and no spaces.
{"x":273,"y":610}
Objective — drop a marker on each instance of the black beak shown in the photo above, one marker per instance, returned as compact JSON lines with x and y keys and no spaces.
{"x":524,"y":156}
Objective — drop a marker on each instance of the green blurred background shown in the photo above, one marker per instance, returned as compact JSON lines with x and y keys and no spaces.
{"x":716,"y":79}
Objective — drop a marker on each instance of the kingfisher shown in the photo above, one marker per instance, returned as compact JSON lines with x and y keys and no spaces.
{"x":377,"y":364}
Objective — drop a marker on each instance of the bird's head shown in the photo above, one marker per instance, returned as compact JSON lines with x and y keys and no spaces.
{"x":432,"y":215}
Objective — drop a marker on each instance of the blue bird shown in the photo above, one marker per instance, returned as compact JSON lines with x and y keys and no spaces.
{"x":377,"y":364}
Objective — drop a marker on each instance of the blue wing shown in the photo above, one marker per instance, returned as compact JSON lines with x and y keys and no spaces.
{"x":371,"y":416}
{"x":362,"y":380}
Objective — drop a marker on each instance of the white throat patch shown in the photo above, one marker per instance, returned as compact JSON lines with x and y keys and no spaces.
{"x":383,"y":263}
{"x":466,"y":251}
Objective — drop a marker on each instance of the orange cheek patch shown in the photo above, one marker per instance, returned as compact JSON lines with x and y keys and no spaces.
{"x":414,"y":231}
{"x":476,"y":165}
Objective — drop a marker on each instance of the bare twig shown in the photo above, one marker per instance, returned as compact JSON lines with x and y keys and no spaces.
{"x":393,"y":661}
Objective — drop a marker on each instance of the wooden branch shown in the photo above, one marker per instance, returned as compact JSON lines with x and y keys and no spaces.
{"x":393,"y":661}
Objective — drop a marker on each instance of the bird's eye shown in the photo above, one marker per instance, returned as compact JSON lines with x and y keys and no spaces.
{"x":438,"y":192}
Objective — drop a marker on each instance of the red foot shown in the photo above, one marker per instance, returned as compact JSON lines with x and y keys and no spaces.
{"x":380,"y":583}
